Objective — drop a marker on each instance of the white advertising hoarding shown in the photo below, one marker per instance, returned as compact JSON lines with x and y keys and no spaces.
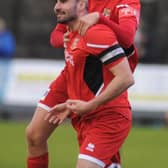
{"x":150,"y":91}
{"x":29,"y":79}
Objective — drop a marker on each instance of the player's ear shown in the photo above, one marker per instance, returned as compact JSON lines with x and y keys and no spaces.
{"x":83,"y":4}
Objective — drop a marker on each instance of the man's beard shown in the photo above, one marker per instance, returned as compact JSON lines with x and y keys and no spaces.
{"x":66,"y":20}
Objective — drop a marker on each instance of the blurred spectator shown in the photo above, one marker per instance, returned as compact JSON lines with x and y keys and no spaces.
{"x":149,"y":28}
{"x":7,"y":41}
{"x":140,"y":40}
{"x":7,"y":50}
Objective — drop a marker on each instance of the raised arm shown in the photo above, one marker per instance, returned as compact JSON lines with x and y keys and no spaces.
{"x":125,"y":30}
{"x":56,"y":37}
{"x":123,"y":79}
{"x":124,"y":26}
{"x":106,"y":48}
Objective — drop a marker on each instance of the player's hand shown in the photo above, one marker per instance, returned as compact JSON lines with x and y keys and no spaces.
{"x":87,"y":21}
{"x":80,"y":107}
{"x":66,"y":39}
{"x":57,"y":114}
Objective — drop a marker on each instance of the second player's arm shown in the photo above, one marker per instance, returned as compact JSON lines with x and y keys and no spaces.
{"x":57,"y":36}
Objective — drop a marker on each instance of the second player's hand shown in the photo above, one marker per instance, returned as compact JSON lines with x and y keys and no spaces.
{"x":80,"y":107}
{"x":66,"y":39}
{"x":87,"y":21}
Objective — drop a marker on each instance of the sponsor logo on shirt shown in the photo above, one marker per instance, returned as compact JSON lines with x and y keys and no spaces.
{"x":75,"y":43}
{"x":106,"y":12}
{"x":69,"y":58}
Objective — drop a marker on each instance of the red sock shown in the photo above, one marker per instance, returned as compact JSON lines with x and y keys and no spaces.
{"x":38,"y":162}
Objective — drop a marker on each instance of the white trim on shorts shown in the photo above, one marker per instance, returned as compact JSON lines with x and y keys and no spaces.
{"x":115,"y":165}
{"x":92,"y":159}
{"x":45,"y":107}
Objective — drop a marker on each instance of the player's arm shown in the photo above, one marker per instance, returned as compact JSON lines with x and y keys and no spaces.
{"x":122,"y":80}
{"x":112,"y":57}
{"x":128,"y":13}
{"x":57,"y":36}
{"x":125,"y":28}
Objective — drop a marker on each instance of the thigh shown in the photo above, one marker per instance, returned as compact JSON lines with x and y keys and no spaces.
{"x":39,"y":126}
{"x":56,"y":93}
{"x":82,"y":163}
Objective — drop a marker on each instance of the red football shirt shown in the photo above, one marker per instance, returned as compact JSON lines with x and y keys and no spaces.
{"x":88,"y":59}
{"x":122,"y":16}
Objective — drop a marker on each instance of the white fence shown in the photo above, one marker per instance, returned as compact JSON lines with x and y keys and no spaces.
{"x":25,"y":81}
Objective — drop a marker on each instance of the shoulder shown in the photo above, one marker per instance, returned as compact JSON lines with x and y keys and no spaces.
{"x":98,"y":38}
{"x":98,"y":28}
{"x":100,"y":33}
{"x":128,"y":3}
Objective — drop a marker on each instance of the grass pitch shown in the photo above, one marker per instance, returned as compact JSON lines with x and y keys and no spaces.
{"x":144,"y":148}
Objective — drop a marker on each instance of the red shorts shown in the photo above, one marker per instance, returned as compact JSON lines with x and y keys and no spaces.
{"x":57,"y":94}
{"x":102,"y":136}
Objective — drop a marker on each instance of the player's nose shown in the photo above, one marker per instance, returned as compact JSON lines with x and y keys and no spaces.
{"x":57,"y":6}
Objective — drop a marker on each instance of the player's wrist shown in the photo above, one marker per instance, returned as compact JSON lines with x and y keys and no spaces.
{"x":94,"y":104}
{"x":97,"y":16}
{"x":101,"y":18}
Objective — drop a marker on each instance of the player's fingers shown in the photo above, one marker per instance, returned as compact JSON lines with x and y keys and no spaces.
{"x":80,"y":28}
{"x":69,"y":101}
{"x":66,"y":39}
{"x":51,"y":119}
{"x":65,"y":45}
{"x":56,"y":121}
{"x":83,"y":30}
{"x":58,"y":108}
{"x":63,"y":116}
{"x":60,"y":121}
{"x":47,"y":116}
{"x":66,"y":36}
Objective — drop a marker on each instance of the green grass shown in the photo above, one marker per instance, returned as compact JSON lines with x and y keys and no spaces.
{"x":144,"y":148}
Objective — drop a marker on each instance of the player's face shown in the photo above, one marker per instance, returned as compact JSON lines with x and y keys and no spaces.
{"x":65,"y":10}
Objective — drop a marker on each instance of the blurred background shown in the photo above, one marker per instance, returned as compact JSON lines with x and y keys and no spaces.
{"x":30,"y":64}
